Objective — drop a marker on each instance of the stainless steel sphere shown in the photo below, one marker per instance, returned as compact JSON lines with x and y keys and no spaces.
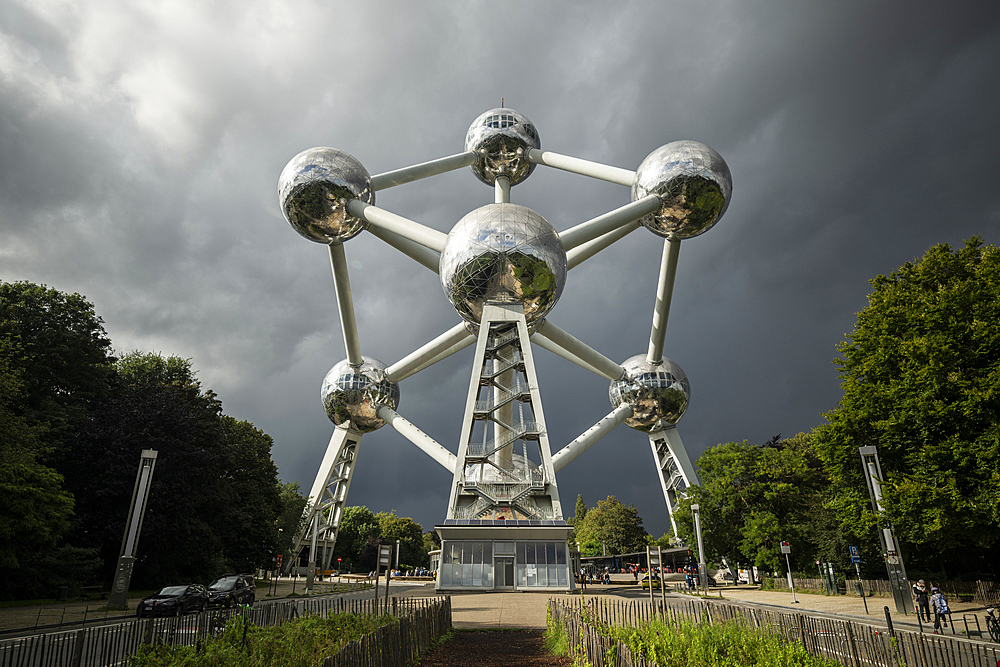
{"x":503,"y":252}
{"x":314,"y":189}
{"x":501,"y":138}
{"x":352,"y":396}
{"x":692,"y":181}
{"x":657,"y":394}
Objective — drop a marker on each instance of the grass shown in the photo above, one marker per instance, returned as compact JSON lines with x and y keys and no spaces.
{"x":686,"y":642}
{"x":304,"y":642}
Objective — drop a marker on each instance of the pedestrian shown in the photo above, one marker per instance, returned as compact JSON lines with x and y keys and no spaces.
{"x":941,"y":610}
{"x":920,"y":597}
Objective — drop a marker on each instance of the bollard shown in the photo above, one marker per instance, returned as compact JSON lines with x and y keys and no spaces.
{"x":888,"y":622}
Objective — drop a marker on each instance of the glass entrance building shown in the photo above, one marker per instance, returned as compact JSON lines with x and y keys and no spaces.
{"x":504,"y":555}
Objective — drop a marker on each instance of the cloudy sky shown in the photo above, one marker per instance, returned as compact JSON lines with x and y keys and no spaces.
{"x":141,"y":143}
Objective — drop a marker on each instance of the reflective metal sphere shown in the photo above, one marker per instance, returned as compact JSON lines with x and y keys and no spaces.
{"x":314,"y":189}
{"x":352,"y":396}
{"x":692,"y":181}
{"x":501,"y":138}
{"x":657,"y":394}
{"x":503,"y":252}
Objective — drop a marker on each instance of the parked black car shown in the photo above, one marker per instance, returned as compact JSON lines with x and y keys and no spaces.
{"x":230,"y":590}
{"x":173,"y":601}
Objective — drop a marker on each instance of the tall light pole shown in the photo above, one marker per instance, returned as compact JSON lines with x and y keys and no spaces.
{"x":890,"y":545}
{"x":702,"y":569}
{"x":140,"y":494}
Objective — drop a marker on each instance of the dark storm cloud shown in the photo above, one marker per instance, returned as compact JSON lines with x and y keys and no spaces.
{"x":140,"y":149}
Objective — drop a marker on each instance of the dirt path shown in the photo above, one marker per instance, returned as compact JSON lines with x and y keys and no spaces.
{"x":510,"y":648}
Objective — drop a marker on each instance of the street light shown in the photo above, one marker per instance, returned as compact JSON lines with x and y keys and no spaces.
{"x":702,"y":569}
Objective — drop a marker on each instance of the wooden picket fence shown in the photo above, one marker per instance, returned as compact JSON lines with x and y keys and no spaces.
{"x":848,"y":643}
{"x":421,"y":622}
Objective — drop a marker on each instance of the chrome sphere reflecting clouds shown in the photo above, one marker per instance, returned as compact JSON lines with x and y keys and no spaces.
{"x":501,"y":138}
{"x":352,"y":396}
{"x":692,"y":181}
{"x":657,"y":394}
{"x":314,"y":189}
{"x":503,"y":252}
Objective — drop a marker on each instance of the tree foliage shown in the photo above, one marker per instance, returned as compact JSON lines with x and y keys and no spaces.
{"x":753,"y":497}
{"x":57,"y":347}
{"x":613,"y":526}
{"x":921,"y":379}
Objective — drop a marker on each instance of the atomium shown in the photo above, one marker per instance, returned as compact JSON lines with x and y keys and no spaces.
{"x":314,"y":189}
{"x":503,"y":252}
{"x":657,"y":393}
{"x":693,"y":183}
{"x":503,"y":267}
{"x":501,"y":139}
{"x":352,"y":396}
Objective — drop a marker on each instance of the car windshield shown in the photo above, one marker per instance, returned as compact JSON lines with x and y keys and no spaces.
{"x":171,"y":591}
{"x":223,"y":584}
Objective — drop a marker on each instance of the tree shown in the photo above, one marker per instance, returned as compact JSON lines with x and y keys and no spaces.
{"x":36,"y":508}
{"x":60,"y":353}
{"x":612,"y":526}
{"x":245,"y":523}
{"x":358,"y":526}
{"x":921,"y":379}
{"x":292,"y":519}
{"x":155,"y":403}
{"x":753,"y":497}
{"x":580,"y":511}
{"x":410,"y":535}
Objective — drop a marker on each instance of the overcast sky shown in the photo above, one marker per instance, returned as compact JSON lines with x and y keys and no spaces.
{"x":141,"y":143}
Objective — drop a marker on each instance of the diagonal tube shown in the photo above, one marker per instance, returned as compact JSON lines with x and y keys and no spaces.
{"x":582,"y":253}
{"x":451,"y":341}
{"x":416,"y":172}
{"x":348,"y":323}
{"x":591,"y":357}
{"x":664,"y":292}
{"x":414,"y":231}
{"x":415,"y":251}
{"x":429,"y":445}
{"x":561,"y":458}
{"x":583,"y":167}
{"x":601,"y":225}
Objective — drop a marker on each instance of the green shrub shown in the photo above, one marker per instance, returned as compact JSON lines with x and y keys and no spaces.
{"x":304,"y":642}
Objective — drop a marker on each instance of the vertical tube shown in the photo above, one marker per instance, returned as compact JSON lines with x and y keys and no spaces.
{"x":664,"y":292}
{"x":501,"y":190}
{"x":342,"y":284}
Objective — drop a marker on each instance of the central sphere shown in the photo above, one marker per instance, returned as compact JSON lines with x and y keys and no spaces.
{"x":657,"y":393}
{"x":503,"y":252}
{"x":352,"y":396}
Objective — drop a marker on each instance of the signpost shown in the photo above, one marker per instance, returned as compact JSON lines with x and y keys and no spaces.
{"x":786,"y":549}
{"x":654,"y":558}
{"x":702,"y":568}
{"x":856,"y":559}
{"x":384,"y":558}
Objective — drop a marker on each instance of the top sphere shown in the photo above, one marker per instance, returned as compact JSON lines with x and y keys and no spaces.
{"x":314,"y":189}
{"x":501,"y":138}
{"x":693,"y":183}
{"x":657,"y":393}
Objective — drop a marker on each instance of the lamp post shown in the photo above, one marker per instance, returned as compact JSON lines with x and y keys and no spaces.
{"x":702,"y":569}
{"x":140,"y":494}
{"x":890,"y":545}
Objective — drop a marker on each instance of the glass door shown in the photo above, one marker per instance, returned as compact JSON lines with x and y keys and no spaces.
{"x":503,"y":573}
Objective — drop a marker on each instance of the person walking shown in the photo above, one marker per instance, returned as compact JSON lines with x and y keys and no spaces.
{"x":941,"y":610}
{"x":921,"y":598}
